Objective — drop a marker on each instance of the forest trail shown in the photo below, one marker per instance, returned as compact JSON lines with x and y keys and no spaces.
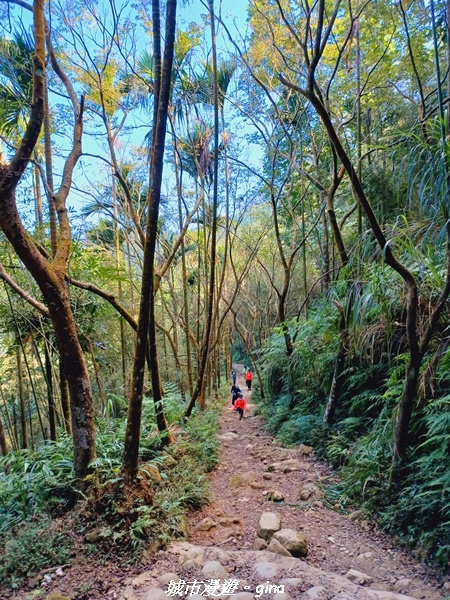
{"x":348,"y":559}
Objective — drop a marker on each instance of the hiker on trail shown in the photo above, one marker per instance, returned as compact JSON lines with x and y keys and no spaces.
{"x":248,"y":379}
{"x":235,"y":391}
{"x":240,"y":406}
{"x":233,"y":376}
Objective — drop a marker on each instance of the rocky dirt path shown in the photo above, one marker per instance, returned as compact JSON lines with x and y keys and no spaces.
{"x":347,"y":558}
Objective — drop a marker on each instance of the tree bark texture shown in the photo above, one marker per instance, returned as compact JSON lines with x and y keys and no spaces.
{"x":23,"y":408}
{"x":146,"y":330}
{"x":65,"y":399}
{"x":205,"y":348}
{"x":3,"y":444}
{"x":50,"y":278}
{"x":50,"y":397}
{"x":339,"y":365}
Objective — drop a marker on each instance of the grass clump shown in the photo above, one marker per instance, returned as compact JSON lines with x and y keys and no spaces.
{"x":38,"y":543}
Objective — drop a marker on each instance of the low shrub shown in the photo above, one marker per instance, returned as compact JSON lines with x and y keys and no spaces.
{"x":112,"y":518}
{"x":34,"y":545}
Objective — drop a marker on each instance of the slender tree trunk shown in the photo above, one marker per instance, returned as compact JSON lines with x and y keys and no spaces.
{"x":358,"y":115}
{"x":199,"y":293}
{"x":65,"y":399}
{"x":101,"y":392}
{"x":304,"y":264}
{"x":30,"y":427}
{"x":186,"y":309}
{"x":15,"y":429}
{"x":21,"y":390}
{"x":3,"y":444}
{"x":325,"y":249}
{"x":11,"y":425}
{"x":38,"y":198}
{"x":339,"y":365}
{"x":50,"y":397}
{"x":337,"y":235}
{"x":157,"y":165}
{"x":204,"y":354}
{"x":147,"y":324}
{"x":119,"y":287}
{"x":219,"y":374}
{"x":405,"y":408}
{"x":49,"y":172}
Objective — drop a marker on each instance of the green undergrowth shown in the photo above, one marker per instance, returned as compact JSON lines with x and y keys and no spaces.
{"x":411,"y":502}
{"x":45,"y":519}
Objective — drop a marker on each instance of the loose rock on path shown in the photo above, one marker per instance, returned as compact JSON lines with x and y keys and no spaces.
{"x":266,"y":511}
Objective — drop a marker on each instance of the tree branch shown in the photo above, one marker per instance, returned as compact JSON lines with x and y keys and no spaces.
{"x":22,"y":293}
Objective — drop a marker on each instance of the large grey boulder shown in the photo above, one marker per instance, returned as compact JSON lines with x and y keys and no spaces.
{"x":214,"y":570}
{"x":259,"y":544}
{"x":309,"y":490}
{"x":277,"y":548}
{"x":190,"y":564}
{"x":166,"y":578}
{"x":357,"y":577}
{"x":294,"y":541}
{"x":269,"y":523}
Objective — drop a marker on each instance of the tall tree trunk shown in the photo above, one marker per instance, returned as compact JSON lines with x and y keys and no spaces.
{"x":72,"y":358}
{"x":65,"y":399}
{"x":21,"y":390}
{"x":325,"y":248}
{"x":38,"y":198}
{"x":147,"y":324}
{"x":204,"y":353}
{"x":50,"y":277}
{"x":3,"y":444}
{"x":50,"y":397}
{"x":304,"y":264}
{"x":357,"y":30}
{"x":186,"y":309}
{"x":101,"y":393}
{"x":15,"y":429}
{"x":199,"y":294}
{"x":119,"y":286}
{"x":339,"y":365}
{"x":49,"y":172}
{"x":11,"y":425}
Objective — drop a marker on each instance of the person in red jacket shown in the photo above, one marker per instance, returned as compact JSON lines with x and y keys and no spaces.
{"x":248,"y":379}
{"x":240,"y":406}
